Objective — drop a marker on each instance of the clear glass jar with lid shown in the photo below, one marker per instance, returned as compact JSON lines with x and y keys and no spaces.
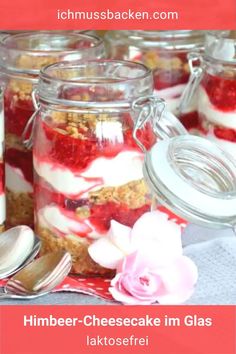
{"x":217,"y":91}
{"x":191,"y":176}
{"x":104,"y":147}
{"x":88,"y":166}
{"x":166,"y":53}
{"x":21,"y":58}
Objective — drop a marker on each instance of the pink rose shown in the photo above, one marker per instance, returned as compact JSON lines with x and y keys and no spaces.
{"x":141,"y":280}
{"x":152,"y":231}
{"x":148,"y":259}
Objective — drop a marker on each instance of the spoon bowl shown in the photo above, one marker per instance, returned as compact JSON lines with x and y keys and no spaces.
{"x":39,"y":277}
{"x":18,"y":247}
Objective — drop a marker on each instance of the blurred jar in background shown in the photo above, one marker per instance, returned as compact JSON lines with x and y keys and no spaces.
{"x":166,"y":53}
{"x":21,"y":58}
{"x":217,"y":91}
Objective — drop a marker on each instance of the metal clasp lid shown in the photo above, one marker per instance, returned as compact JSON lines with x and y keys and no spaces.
{"x":28,"y":142}
{"x":196,"y":72}
{"x":164,"y":124}
{"x":194,"y":178}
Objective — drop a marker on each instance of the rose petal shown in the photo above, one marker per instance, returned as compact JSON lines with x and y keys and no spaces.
{"x":154,"y":231}
{"x":109,"y":250}
{"x":141,"y":291}
{"x":121,"y":295}
{"x":179,"y":280}
{"x":136,"y":266}
{"x":141,"y":281}
{"x":120,"y":235}
{"x":105,"y":253}
{"x":136,"y":262}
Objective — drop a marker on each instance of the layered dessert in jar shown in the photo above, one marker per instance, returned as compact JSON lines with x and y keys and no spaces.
{"x":2,"y":171}
{"x":217,"y":92}
{"x":166,"y":53}
{"x":22,"y":56}
{"x":88,"y":167}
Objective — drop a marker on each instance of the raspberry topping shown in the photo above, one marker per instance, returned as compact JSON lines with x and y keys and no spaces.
{"x":190,"y":120}
{"x":77,"y":153}
{"x":22,"y":160}
{"x":17,"y":112}
{"x":225,"y":134}
{"x":169,"y":78}
{"x":101,"y":215}
{"x":221,"y":91}
{"x":168,"y":70}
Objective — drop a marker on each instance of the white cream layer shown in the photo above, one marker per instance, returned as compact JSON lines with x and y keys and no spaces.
{"x":102,"y":172}
{"x":52,"y":218}
{"x":15,"y":180}
{"x":172,"y":95}
{"x":214,"y":115}
{"x":2,"y":208}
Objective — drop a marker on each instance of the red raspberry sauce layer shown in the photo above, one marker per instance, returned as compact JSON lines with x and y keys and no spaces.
{"x":219,"y":131}
{"x":167,"y":77}
{"x":22,"y":160}
{"x":190,"y":120}
{"x":221,"y":91}
{"x":225,"y":134}
{"x":17,"y":113}
{"x":76,"y":154}
{"x":100,"y":214}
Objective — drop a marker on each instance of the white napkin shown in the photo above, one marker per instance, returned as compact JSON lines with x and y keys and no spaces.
{"x":214,"y":252}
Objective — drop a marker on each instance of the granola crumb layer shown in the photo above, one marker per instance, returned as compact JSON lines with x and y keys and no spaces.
{"x":12,"y":141}
{"x":133,"y":194}
{"x":78,"y":125}
{"x":19,"y":208}
{"x":77,"y":247}
{"x":154,"y":60}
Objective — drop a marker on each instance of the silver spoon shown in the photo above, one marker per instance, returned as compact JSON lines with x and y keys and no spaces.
{"x":39,"y":277}
{"x":18,"y":247}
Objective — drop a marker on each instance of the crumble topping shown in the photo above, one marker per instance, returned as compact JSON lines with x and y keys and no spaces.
{"x":22,"y":89}
{"x":77,"y":247}
{"x":12,"y":141}
{"x":78,"y":125}
{"x":133,"y":194}
{"x":19,"y":208}
{"x":34,"y":62}
{"x":154,"y":61}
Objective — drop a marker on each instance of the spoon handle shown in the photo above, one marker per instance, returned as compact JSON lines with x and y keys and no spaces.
{"x":13,"y":296}
{"x":20,"y":297}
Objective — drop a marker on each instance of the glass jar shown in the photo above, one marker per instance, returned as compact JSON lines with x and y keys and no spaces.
{"x":96,"y":124}
{"x":21,"y":58}
{"x":166,"y":53}
{"x":193,"y":178}
{"x":2,"y":170}
{"x":217,"y":92}
{"x":88,"y":167}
